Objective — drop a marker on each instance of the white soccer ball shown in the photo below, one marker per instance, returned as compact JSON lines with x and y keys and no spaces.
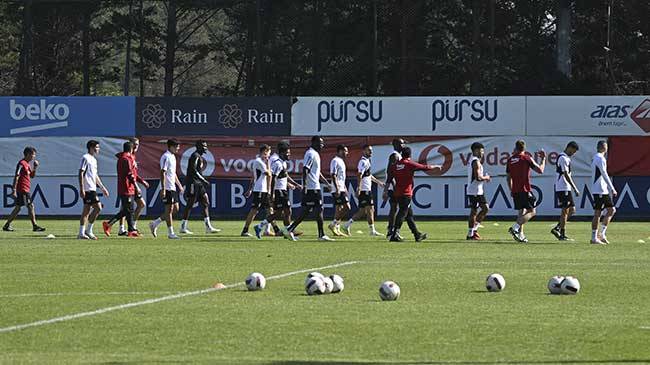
{"x":313,"y":274}
{"x":338,"y":283}
{"x":255,"y":281}
{"x":329,"y":285}
{"x":389,"y":290}
{"x":315,"y":286}
{"x":495,"y":282}
{"x":555,"y":284}
{"x":570,"y":285}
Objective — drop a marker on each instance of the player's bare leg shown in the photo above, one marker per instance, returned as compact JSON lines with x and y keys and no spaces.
{"x":11,"y":218}
{"x":249,"y":219}
{"x":32,"y":217}
{"x":186,"y":214}
{"x":360,"y":214}
{"x":205,"y":204}
{"x":83,"y":221}
{"x":609,"y":214}
{"x":471,"y":223}
{"x":138,"y":210}
{"x":594,"y":227}
{"x":370,"y":215}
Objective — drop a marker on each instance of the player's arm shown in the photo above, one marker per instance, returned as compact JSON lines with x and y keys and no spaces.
{"x":475,"y":166}
{"x":376,"y":181}
{"x":163,"y":191}
{"x":251,"y":183}
{"x":391,"y":161}
{"x":294,"y":183}
{"x":198,"y":173}
{"x":509,"y":179}
{"x":33,"y":173}
{"x":14,"y":184}
{"x":359,"y":178}
{"x":305,"y":171}
{"x":389,"y":179}
{"x":539,"y":168}
{"x":608,"y":181}
{"x":178,"y":183}
{"x":569,"y":179}
{"x":82,"y":192}
{"x":99,"y":183}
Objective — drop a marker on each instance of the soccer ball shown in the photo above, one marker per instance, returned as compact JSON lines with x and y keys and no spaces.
{"x":495,"y":282}
{"x":555,"y":284}
{"x":255,"y":281}
{"x":313,"y":274}
{"x":389,"y":290}
{"x":338,"y":283}
{"x":329,"y":285}
{"x":315,"y":285}
{"x":570,"y":285}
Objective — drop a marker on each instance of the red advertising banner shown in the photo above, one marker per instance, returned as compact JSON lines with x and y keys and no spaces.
{"x":629,"y":156}
{"x":229,"y":156}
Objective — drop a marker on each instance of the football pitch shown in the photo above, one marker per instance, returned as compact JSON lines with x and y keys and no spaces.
{"x":144,"y":300}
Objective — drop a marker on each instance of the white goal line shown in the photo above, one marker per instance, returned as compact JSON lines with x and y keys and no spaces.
{"x":70,"y":317}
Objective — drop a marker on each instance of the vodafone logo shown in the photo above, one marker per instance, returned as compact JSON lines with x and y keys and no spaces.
{"x":641,"y":115}
{"x":430,"y":153}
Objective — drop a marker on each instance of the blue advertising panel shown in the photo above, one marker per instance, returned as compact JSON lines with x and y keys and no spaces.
{"x":67,"y":116}
{"x":252,"y":116}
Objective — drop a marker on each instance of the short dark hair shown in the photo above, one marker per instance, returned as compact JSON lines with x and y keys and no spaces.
{"x":315,"y":139}
{"x":477,"y":146}
{"x":365,"y":146}
{"x":172,"y":142}
{"x":601,"y":144}
{"x":573,"y":144}
{"x":406,"y":152}
{"x":200,"y":142}
{"x":127,"y":146}
{"x":134,"y":140}
{"x":283,"y":147}
{"x":340,"y":147}
{"x":29,"y":150}
{"x":264,"y":147}
{"x":520,"y":145}
{"x":91,"y":144}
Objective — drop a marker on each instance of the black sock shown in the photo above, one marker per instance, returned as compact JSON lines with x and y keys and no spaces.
{"x":562,"y":231}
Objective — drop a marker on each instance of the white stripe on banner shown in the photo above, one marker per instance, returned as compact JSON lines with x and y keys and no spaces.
{"x":40,"y":127}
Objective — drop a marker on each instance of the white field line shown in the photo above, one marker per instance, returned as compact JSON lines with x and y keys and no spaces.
{"x":24,"y":295}
{"x":160,"y":299}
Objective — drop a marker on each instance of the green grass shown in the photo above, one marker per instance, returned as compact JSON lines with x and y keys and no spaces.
{"x":443,"y":316}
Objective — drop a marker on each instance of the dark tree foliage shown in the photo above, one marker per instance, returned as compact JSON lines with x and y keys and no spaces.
{"x":322,"y":47}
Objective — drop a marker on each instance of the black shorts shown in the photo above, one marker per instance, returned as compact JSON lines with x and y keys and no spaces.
{"x":23,"y":199}
{"x":564,"y":199}
{"x":91,"y":198}
{"x":312,"y":199}
{"x":365,"y":199}
{"x":193,"y":190}
{"x":602,"y":201}
{"x":524,"y":201}
{"x":476,"y":201}
{"x":281,"y":199}
{"x":171,"y":197}
{"x":341,"y":198}
{"x":260,"y":200}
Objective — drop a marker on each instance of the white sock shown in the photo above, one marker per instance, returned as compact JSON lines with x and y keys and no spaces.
{"x":371,"y":227}
{"x":135,"y":225}
{"x":90,"y":228}
{"x":82,"y":229}
{"x":603,"y":231}
{"x":184,"y":224}
{"x":476,"y":225}
{"x":170,"y":230}
{"x":516,"y":227}
{"x":594,"y":234}
{"x":349,"y":223}
{"x":335,"y":223}
{"x":122,"y":229}
{"x":157,"y":222}
{"x":470,"y":232}
{"x":207,"y":223}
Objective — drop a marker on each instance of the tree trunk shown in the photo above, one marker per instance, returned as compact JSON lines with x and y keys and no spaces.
{"x":24,"y":83}
{"x":564,"y":38}
{"x":127,"y":62}
{"x":171,"y":48}
{"x":475,"y":86}
{"x":85,"y":41}
{"x":141,"y":61}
